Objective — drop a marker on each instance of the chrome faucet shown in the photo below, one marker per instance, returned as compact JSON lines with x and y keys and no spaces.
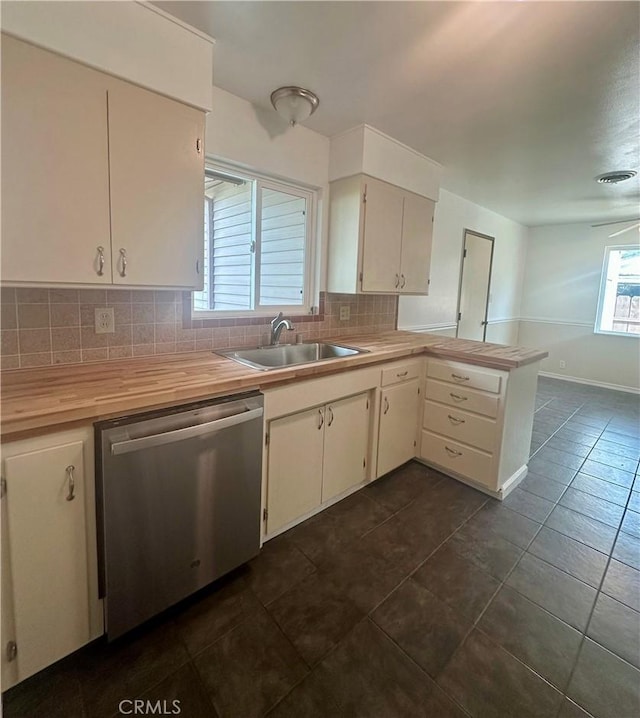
{"x":277,"y":325}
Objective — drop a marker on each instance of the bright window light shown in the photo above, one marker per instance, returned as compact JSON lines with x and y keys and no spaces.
{"x":619,"y":300}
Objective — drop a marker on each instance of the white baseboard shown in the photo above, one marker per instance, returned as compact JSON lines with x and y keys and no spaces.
{"x":500,"y":494}
{"x":592,"y":382}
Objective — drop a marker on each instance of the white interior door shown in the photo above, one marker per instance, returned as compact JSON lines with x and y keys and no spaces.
{"x":474,"y":286}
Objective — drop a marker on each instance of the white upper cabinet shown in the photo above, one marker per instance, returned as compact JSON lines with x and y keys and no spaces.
{"x":379,"y":238}
{"x":55,"y":168}
{"x":415,"y":257}
{"x":382,"y":219}
{"x":157,"y":169}
{"x":91,"y":166}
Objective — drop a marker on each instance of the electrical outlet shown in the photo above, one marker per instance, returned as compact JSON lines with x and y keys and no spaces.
{"x":563,"y":364}
{"x":345,"y":313}
{"x":105,"y":321}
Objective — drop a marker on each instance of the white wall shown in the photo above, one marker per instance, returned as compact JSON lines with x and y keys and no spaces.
{"x":559,"y":302}
{"x":261,"y":140}
{"x":240,"y":133}
{"x":438,"y":311}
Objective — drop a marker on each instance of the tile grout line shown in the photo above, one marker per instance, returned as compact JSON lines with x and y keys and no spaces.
{"x":368,"y":616}
{"x":558,"y":429}
{"x":489,"y":602}
{"x":504,"y":583}
{"x":599,"y":592}
{"x":365,"y":616}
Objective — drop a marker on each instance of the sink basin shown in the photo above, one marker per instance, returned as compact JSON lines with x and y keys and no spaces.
{"x":283,"y":355}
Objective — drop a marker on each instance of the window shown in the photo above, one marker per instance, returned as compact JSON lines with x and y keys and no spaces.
{"x":258,"y":253}
{"x":619,"y":301}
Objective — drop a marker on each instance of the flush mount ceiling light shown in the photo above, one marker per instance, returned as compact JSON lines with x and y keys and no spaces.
{"x":293,"y":103}
{"x":615,"y":177}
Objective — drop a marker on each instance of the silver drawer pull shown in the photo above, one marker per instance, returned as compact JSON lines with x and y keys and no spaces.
{"x":330,"y":420}
{"x":100,"y":251}
{"x":457,"y":397}
{"x":72,"y":483}
{"x":386,"y":405}
{"x":403,"y":373}
{"x":404,"y":281}
{"x":455,"y":420}
{"x":459,"y":377}
{"x":11,"y":651}
{"x":321,"y":416}
{"x":397,"y":280}
{"x":123,"y":262}
{"x":452,"y":452}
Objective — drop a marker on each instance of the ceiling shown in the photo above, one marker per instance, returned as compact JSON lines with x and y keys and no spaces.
{"x":523,"y":103}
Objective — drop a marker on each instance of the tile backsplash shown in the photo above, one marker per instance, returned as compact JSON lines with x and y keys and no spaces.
{"x":44,"y":326}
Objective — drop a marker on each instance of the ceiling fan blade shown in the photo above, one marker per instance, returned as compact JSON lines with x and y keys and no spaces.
{"x":617,"y":221}
{"x":626,"y":229}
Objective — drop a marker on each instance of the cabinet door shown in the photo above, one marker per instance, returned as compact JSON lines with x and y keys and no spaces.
{"x":417,"y":232}
{"x":55,"y":170}
{"x":157,"y":188}
{"x":294,"y":467}
{"x":47,"y":554}
{"x":382,"y":237}
{"x":346,"y":444}
{"x":398,"y":426}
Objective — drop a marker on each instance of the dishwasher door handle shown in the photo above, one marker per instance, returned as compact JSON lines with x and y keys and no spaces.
{"x":189,"y":432}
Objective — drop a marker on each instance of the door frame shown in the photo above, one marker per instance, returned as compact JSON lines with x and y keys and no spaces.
{"x":462,"y":258}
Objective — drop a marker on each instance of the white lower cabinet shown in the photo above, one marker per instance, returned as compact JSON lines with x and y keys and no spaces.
{"x":49,"y":562}
{"x":477,"y":423}
{"x":399,"y":406}
{"x":296,"y":445}
{"x":346,"y":444}
{"x":314,"y":456}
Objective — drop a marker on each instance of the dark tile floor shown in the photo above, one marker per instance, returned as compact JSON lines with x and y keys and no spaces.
{"x":418,"y":596}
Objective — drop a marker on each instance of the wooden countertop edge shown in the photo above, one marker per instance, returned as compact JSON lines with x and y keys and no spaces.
{"x":40,"y":420}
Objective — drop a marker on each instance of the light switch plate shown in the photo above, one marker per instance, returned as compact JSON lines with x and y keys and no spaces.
{"x":345,"y":313}
{"x":105,"y":321}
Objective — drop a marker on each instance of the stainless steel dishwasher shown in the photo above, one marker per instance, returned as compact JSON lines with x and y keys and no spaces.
{"x":178,"y":498}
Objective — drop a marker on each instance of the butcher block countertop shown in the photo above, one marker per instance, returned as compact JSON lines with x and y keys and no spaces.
{"x":53,"y":398}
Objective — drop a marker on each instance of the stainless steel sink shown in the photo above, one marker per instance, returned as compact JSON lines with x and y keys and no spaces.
{"x":284,"y":355}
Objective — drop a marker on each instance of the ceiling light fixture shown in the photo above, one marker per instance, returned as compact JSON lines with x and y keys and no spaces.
{"x":615,"y":177}
{"x":293,"y":103}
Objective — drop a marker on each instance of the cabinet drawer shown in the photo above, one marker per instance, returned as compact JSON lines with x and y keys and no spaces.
{"x":458,"y":458}
{"x":462,"y":398}
{"x":460,"y":425}
{"x":464,"y":375}
{"x":400,"y":372}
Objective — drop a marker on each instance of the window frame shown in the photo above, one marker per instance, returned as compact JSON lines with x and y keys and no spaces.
{"x":297,"y":189}
{"x":603,"y":286}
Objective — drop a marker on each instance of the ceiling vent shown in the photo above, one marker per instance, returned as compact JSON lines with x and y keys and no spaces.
{"x":615,"y":177}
